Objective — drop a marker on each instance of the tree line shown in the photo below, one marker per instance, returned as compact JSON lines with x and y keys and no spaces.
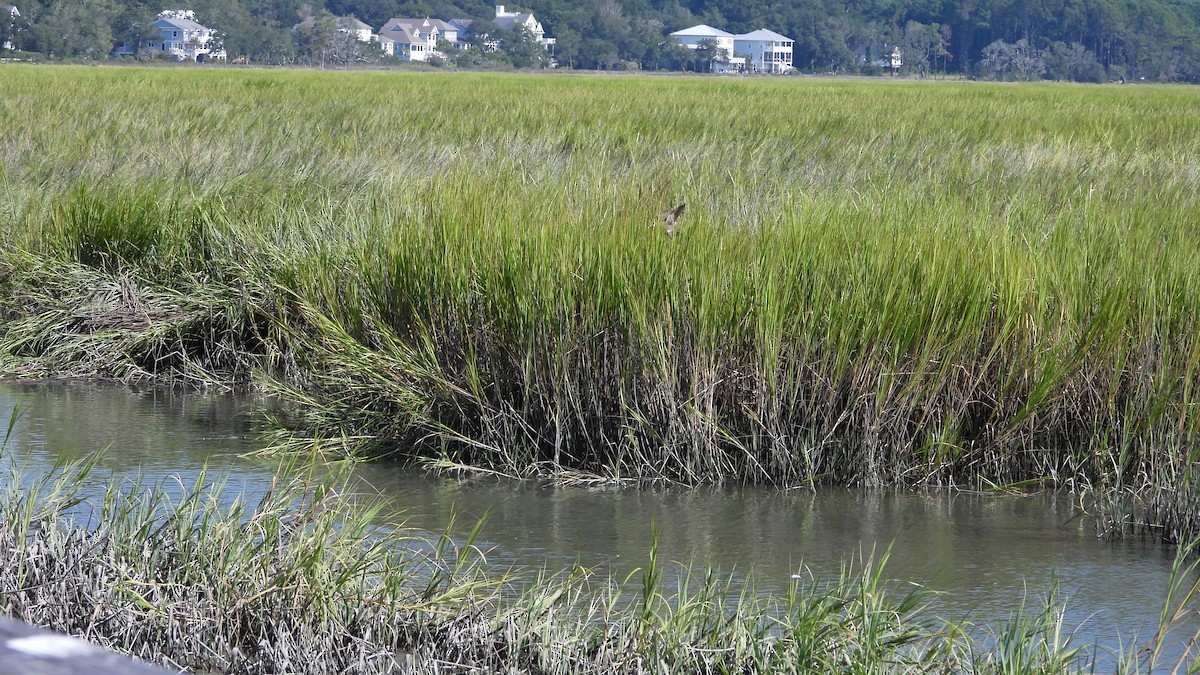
{"x":1082,"y":40}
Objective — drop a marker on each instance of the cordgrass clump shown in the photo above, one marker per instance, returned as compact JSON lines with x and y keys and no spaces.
{"x":924,"y":284}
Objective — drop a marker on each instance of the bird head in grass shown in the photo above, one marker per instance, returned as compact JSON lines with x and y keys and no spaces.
{"x":669,"y":218}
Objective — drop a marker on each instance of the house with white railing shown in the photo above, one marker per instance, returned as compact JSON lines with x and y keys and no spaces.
{"x":762,"y":51}
{"x":180,"y":36}
{"x":509,"y":20}
{"x":416,"y":39}
{"x":696,"y":36}
{"x":766,"y":51}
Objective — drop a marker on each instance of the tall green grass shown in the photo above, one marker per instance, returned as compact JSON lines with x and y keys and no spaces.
{"x":873,"y":283}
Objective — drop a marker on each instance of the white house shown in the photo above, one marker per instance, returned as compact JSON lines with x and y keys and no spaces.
{"x":489,"y":44}
{"x":361,"y":31}
{"x":446,"y":30}
{"x":387,"y":44}
{"x":8,"y":14}
{"x":694,"y":36}
{"x":183,"y":38}
{"x":415,"y":39}
{"x":461,"y":26}
{"x":765,"y":50}
{"x":893,"y":57}
{"x":509,"y":20}
{"x":462,"y":29}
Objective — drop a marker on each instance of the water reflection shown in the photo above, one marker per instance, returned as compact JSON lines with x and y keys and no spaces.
{"x":149,"y":434}
{"x":982,"y":554}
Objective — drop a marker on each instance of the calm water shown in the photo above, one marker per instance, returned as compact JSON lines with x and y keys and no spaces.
{"x":983,"y":555}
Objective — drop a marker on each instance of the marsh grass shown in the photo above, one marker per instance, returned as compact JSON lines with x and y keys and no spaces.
{"x":192,"y":577}
{"x":305,"y":580}
{"x":994,"y":287}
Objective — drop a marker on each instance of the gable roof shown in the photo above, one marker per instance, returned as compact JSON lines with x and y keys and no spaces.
{"x":401,"y":30}
{"x":11,"y":10}
{"x":702,"y":31}
{"x":762,"y":35}
{"x":178,"y":24}
{"x":508,"y":21}
{"x":344,"y":23}
{"x":351,"y":23}
{"x":400,"y":33}
{"x":442,"y":26}
{"x":415,"y":27}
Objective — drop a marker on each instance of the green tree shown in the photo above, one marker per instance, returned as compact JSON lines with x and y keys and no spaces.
{"x":523,"y":49}
{"x":598,"y":54}
{"x":315,"y":36}
{"x":667,"y":54}
{"x":920,"y":44}
{"x":131,"y":24}
{"x":260,"y":30}
{"x":1073,"y":62}
{"x":485,"y":35}
{"x":567,"y":48}
{"x":373,"y":12}
{"x":706,"y":55}
{"x":75,"y":29}
{"x":1005,"y":61}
